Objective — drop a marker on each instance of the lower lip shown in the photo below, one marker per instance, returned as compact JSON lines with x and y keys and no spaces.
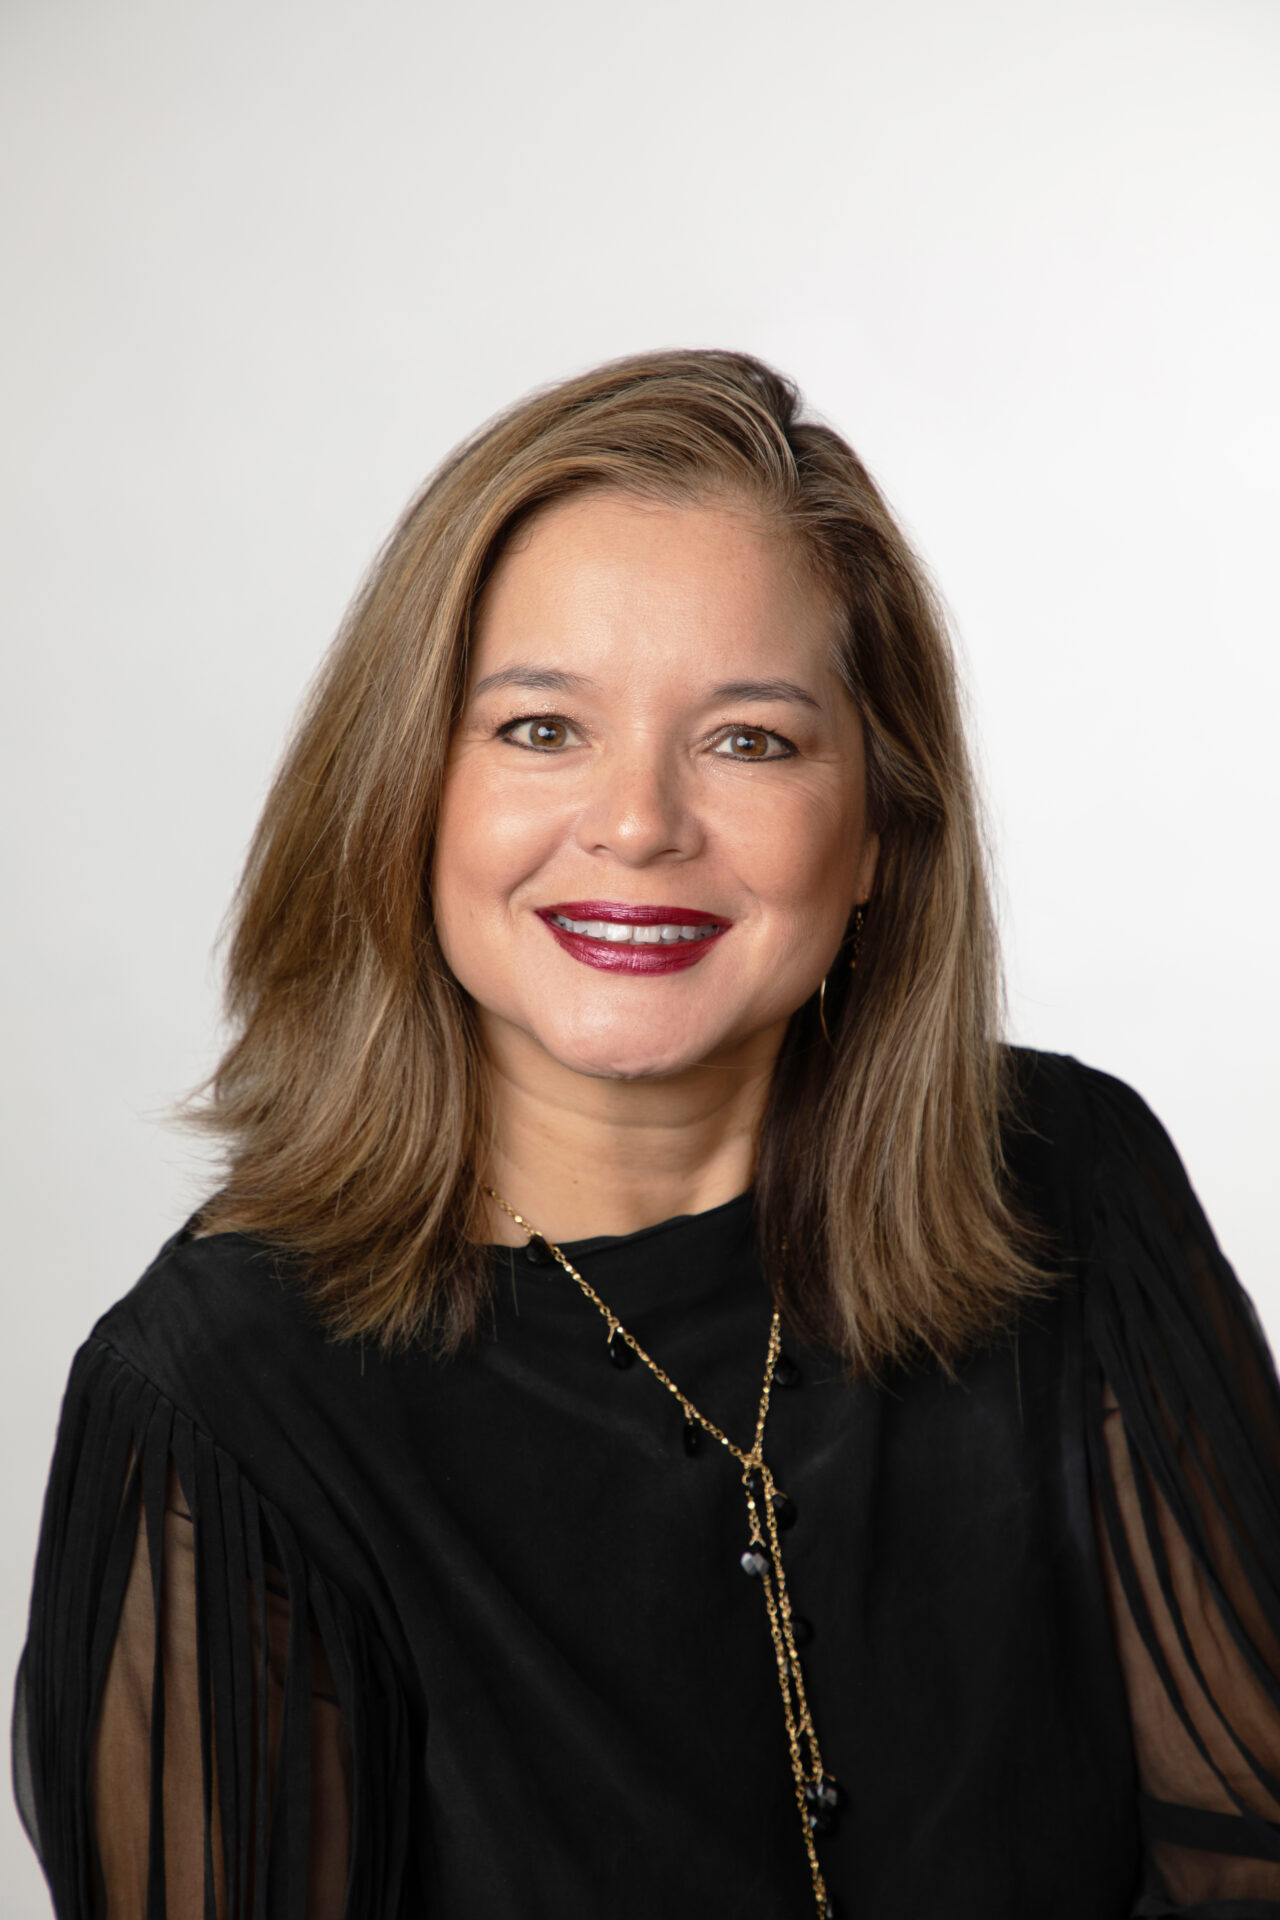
{"x":623,"y":957}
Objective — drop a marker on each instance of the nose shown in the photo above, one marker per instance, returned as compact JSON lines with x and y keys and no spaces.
{"x":640,"y":808}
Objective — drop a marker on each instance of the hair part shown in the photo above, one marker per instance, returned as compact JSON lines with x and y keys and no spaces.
{"x":351,"y":1104}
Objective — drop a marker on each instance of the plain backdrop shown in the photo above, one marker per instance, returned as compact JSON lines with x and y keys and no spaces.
{"x":265,"y":263}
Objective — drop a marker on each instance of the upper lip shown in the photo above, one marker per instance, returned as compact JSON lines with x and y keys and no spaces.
{"x":635,"y":916}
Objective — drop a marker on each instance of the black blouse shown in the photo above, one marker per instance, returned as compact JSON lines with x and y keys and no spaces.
{"x":316,"y":1632}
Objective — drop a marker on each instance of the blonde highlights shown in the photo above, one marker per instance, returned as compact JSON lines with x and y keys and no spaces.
{"x":351,"y":1102}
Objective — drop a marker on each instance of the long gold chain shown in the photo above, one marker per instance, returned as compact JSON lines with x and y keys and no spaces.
{"x":817,"y":1795}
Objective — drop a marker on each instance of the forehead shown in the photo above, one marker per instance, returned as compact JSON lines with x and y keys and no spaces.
{"x":607,"y":573}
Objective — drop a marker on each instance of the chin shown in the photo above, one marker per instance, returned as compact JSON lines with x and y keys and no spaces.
{"x":624,"y":1063}
{"x":628,"y":1056}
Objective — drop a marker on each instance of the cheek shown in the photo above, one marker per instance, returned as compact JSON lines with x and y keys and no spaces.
{"x":799,"y":855}
{"x":488,"y":840}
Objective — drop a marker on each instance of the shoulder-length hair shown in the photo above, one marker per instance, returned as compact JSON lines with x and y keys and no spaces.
{"x":351,"y":1104}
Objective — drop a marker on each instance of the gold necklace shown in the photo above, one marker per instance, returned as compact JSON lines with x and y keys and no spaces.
{"x":817,"y":1794}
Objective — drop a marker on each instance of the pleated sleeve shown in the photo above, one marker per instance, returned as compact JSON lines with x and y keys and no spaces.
{"x":1183,"y":1417}
{"x":204,"y":1728}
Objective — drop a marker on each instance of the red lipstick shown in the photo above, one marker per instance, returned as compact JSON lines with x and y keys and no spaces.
{"x":670,"y":953}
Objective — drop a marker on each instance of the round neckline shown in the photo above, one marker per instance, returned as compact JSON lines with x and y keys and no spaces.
{"x":726,"y":1214}
{"x":685,"y":1260}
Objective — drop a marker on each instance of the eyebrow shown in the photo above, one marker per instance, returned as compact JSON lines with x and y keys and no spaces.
{"x":539,"y":679}
{"x":736,"y":690}
{"x":551,"y":680}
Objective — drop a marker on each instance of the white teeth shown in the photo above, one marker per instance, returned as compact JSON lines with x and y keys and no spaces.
{"x":624,"y":933}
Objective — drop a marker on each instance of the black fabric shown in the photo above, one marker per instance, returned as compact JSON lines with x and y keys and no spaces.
{"x":315,"y":1632}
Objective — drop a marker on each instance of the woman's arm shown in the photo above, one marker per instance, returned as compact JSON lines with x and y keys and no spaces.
{"x":1184,"y":1428}
{"x":204,"y":1729}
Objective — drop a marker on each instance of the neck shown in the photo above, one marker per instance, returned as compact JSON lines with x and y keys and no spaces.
{"x":580,"y":1156}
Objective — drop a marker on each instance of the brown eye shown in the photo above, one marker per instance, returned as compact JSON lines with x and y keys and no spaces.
{"x":753,"y":743}
{"x":543,"y":732}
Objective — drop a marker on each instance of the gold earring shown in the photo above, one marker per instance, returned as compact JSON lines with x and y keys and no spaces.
{"x":822,"y":1009}
{"x":822,"y":990}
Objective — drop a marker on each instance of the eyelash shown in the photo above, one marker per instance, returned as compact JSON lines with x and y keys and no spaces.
{"x":507,"y":731}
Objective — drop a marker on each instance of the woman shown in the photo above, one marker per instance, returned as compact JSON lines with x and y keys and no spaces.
{"x":664,"y":1413}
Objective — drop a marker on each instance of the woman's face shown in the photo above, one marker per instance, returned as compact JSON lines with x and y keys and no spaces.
{"x":654,"y":824}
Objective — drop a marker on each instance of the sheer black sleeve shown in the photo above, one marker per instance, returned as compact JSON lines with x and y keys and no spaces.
{"x":203,"y":1729}
{"x":1184,"y":1428}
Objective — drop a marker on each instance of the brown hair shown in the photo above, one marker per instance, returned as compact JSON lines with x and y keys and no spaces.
{"x":351,"y":1103}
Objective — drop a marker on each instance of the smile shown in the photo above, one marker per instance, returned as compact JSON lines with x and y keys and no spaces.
{"x":618,"y":938}
{"x":617,"y":932}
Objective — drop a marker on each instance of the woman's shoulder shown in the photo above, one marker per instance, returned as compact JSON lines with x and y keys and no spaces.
{"x":217,"y":1347}
{"x":1066,"y":1100}
{"x":1084,"y":1148}
{"x":213,"y":1313}
{"x":1089,"y":1159}
{"x":1077,"y":1123}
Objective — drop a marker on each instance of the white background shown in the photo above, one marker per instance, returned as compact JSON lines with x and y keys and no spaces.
{"x":267,"y":262}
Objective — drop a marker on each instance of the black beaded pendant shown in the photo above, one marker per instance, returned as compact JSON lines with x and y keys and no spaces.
{"x":692,"y":1438}
{"x":824,"y":1800}
{"x":537,"y":1252}
{"x":755,"y":1561}
{"x":785,"y":1371}
{"x":621,"y":1354}
{"x":784,"y":1511}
